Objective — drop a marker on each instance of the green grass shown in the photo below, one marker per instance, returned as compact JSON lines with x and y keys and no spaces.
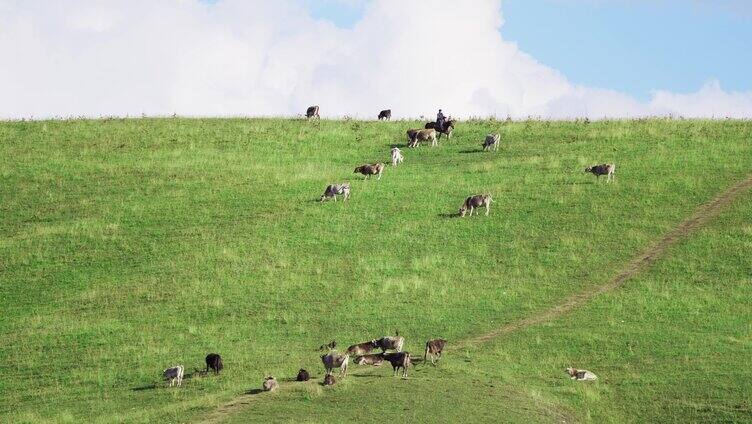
{"x":127,"y":246}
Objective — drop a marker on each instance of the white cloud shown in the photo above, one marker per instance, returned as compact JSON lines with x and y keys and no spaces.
{"x":258,"y":57}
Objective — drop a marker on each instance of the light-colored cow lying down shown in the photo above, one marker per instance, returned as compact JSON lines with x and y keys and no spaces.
{"x":371,"y":359}
{"x":332,"y":190}
{"x":491,"y":142}
{"x":270,"y":384}
{"x":174,"y":374}
{"x":477,"y":201}
{"x":396,"y":156}
{"x":581,"y":375}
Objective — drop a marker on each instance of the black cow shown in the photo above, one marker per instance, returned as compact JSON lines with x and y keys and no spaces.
{"x":385,"y":115}
{"x":214,"y":361}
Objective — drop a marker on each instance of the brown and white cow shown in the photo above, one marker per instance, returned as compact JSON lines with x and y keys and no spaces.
{"x":576,"y":374}
{"x":334,"y":360}
{"x":476,"y":201}
{"x":391,"y":342}
{"x":362,"y":348}
{"x":415,"y":137}
{"x":374,"y":359}
{"x":370,"y":169}
{"x":434,"y":348}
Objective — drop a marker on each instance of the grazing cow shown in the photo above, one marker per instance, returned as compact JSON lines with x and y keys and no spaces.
{"x":385,"y":115}
{"x":491,"y":142}
{"x":312,"y":112}
{"x":332,"y":190}
{"x":362,"y":348}
{"x":396,"y":156}
{"x":214,"y":361}
{"x":334,"y":360}
{"x":399,"y":360}
{"x":370,"y":169}
{"x":331,"y":346}
{"x":604,"y":169}
{"x":447,"y":129}
{"x":434,"y":348}
{"x":581,"y":375}
{"x":303,"y":375}
{"x":174,"y":374}
{"x":410,"y":135}
{"x":329,"y":380}
{"x":270,"y":384}
{"x":374,"y":359}
{"x":391,"y":343}
{"x":477,"y":201}
{"x":417,"y":136}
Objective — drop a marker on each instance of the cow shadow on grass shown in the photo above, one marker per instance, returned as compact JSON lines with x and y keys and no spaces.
{"x":253,"y":391}
{"x":145,"y":387}
{"x":472,"y":151}
{"x":448,"y":216}
{"x":398,"y":145}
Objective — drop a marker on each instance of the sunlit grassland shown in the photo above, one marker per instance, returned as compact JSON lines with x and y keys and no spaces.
{"x":127,"y":246}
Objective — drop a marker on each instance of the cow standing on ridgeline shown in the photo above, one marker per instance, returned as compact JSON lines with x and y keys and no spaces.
{"x":312,"y":112}
{"x":385,"y":115}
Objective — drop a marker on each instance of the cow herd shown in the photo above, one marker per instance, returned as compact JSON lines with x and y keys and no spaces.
{"x":391,"y":346}
{"x":362,"y":353}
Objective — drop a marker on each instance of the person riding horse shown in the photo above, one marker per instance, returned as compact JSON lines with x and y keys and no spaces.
{"x":440,"y":120}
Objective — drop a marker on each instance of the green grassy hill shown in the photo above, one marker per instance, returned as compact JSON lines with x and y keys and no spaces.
{"x":128,"y":246}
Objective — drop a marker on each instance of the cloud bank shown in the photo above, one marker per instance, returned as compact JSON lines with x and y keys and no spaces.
{"x":262,"y":58}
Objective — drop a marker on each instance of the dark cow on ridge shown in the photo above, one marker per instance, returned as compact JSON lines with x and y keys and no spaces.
{"x":385,"y":115}
{"x":214,"y":361}
{"x":312,"y":112}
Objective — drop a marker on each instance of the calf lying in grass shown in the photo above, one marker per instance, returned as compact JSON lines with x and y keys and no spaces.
{"x":581,"y":375}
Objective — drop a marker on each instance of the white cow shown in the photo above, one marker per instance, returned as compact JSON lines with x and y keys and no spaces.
{"x":396,"y":156}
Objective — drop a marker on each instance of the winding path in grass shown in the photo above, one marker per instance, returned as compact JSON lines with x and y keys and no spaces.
{"x":704,"y":214}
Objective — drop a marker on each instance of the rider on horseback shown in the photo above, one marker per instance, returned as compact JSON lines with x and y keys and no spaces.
{"x":440,"y":121}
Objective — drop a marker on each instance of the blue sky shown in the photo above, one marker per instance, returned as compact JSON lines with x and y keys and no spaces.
{"x":630,"y":46}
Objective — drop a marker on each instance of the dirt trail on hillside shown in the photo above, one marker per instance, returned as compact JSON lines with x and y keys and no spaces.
{"x":645,"y":259}
{"x":642,"y":261}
